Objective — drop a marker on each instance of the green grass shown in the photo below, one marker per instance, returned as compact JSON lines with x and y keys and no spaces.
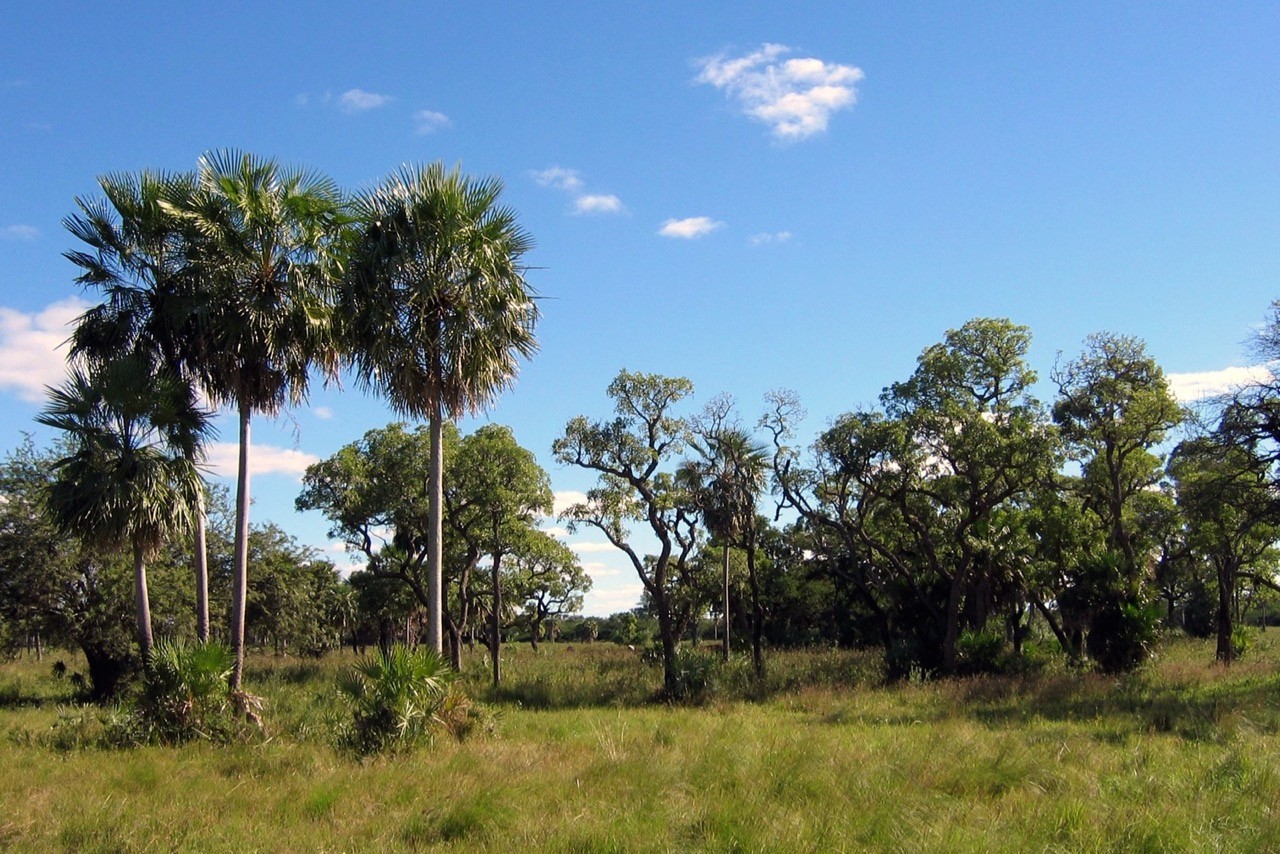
{"x":1182,"y":756}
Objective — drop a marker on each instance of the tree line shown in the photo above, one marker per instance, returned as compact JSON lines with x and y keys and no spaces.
{"x":941,"y":523}
{"x":937,"y":525}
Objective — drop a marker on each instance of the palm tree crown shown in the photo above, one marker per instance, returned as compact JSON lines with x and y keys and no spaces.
{"x":262,"y":247}
{"x":436,"y":311}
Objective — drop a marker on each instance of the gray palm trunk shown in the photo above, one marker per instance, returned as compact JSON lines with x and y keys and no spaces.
{"x":435,"y":519}
{"x":239,"y":584}
{"x":497,"y":619}
{"x":143,"y":600}
{"x":202,"y":574}
{"x":726,"y":601}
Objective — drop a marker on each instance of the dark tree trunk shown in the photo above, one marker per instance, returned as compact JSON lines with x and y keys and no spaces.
{"x":953,"y":624}
{"x":667,"y":635}
{"x":455,"y":644}
{"x":1226,"y":585}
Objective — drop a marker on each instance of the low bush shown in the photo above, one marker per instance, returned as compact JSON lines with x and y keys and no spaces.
{"x":399,"y":698}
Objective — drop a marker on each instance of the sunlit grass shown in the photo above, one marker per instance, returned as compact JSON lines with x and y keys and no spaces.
{"x":1177,"y":757}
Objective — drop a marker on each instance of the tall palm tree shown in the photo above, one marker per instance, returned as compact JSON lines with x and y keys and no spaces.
{"x":261,"y":246}
{"x":131,"y":477}
{"x":435,"y":310}
{"x":724,"y":485}
{"x":137,"y":257}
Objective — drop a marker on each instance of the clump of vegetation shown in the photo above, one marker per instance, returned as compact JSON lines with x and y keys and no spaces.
{"x":697,"y":676}
{"x":399,"y":698}
{"x":186,"y":694}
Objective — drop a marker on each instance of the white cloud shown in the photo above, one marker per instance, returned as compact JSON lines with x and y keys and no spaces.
{"x":598,"y":570}
{"x":19,"y":231}
{"x":613,"y":600}
{"x":358,"y":100}
{"x":592,"y":204}
{"x":769,"y":237}
{"x":557,"y":531}
{"x":324,"y":413}
{"x":794,"y":97}
{"x":689,"y":228}
{"x":223,"y":460}
{"x":562,"y":501}
{"x":570,"y":181}
{"x":429,"y":121}
{"x":558,"y":178}
{"x":33,"y":347}
{"x":592,"y":548}
{"x":1190,"y":387}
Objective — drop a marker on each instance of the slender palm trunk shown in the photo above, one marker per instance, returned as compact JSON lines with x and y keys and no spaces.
{"x":145,"y":638}
{"x":435,"y":604}
{"x":726,"y":602}
{"x":202,"y":574}
{"x":497,"y":620}
{"x":240,"y":574}
{"x":757,"y":609}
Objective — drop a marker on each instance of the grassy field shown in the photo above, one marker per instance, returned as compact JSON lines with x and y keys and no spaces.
{"x":1182,"y":756}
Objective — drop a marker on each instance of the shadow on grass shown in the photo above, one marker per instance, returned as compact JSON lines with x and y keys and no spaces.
{"x":1214,"y":708}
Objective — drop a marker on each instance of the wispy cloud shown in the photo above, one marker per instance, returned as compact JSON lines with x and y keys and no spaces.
{"x":223,"y":460}
{"x":558,"y":178}
{"x":1198,"y":385}
{"x":570,"y":181}
{"x":794,"y":97}
{"x":690,"y":227}
{"x":592,"y":204}
{"x":324,"y":413}
{"x":18,"y":231}
{"x":769,"y":237}
{"x":33,"y":347}
{"x":429,"y":121}
{"x":592,"y":548}
{"x":358,"y":101}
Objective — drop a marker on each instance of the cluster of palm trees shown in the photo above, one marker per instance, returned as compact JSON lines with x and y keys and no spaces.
{"x":231,"y":286}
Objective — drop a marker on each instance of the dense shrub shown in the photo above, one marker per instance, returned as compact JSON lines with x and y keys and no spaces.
{"x":697,"y":675}
{"x":1121,"y":636}
{"x":399,"y":698}
{"x":982,"y":651}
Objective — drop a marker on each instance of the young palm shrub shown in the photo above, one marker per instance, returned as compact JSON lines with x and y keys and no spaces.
{"x":186,"y":693}
{"x":398,"y":698}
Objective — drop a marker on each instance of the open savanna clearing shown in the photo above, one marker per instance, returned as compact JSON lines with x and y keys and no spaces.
{"x":1180,"y":756}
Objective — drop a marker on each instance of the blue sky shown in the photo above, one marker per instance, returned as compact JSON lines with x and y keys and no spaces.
{"x":751,"y":195}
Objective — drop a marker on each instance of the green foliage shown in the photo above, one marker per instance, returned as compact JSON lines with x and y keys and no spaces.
{"x":398,"y":698}
{"x":1121,"y":635}
{"x":185,"y":693}
{"x":982,"y":651}
{"x":1241,"y":640}
{"x":697,"y":676}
